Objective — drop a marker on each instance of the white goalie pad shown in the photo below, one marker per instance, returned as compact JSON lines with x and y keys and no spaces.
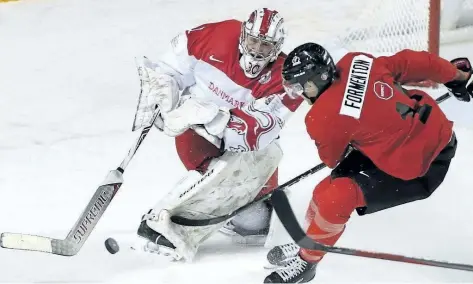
{"x":231,"y":181}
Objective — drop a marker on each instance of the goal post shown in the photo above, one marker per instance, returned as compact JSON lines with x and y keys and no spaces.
{"x":433,"y":43}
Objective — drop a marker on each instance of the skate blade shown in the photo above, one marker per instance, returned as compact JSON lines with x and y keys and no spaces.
{"x":274,"y":267}
{"x":280,"y":265}
{"x":227,"y":231}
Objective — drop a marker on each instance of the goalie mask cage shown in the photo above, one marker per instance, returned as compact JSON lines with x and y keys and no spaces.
{"x":387,"y":26}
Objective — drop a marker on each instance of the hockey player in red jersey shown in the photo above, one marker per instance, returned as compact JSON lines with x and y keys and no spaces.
{"x":387,"y":145}
{"x":219,"y":92}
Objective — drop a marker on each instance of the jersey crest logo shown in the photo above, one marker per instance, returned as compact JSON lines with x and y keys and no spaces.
{"x":383,"y":90}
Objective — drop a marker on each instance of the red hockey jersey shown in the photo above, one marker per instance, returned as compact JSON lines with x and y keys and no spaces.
{"x":400,"y":131}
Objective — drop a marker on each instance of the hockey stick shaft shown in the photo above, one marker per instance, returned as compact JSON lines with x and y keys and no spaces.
{"x":288,"y":219}
{"x":443,"y":97}
{"x":89,"y":218}
{"x":184,"y":221}
{"x":137,"y":143}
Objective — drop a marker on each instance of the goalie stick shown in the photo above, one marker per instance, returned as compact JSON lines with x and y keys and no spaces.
{"x":288,"y":219}
{"x":184,"y":221}
{"x":91,"y":215}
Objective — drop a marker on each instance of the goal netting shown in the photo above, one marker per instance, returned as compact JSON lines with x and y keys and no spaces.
{"x":391,"y":25}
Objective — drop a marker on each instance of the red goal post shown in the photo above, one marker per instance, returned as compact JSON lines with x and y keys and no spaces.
{"x":434,"y":26}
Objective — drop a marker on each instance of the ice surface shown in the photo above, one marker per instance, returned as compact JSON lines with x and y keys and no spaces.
{"x":68,"y":91}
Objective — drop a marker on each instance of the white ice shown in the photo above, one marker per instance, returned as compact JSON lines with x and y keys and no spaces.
{"x":68,"y":90}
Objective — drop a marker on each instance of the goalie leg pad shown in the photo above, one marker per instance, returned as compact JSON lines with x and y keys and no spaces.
{"x":230,"y":182}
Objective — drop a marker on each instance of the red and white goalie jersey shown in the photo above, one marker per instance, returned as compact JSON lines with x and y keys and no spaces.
{"x":206,"y":61}
{"x":209,"y":62}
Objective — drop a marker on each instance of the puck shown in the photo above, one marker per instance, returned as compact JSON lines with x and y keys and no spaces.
{"x":111,"y":245}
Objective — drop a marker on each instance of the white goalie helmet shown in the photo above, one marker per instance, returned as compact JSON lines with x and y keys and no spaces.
{"x":261,"y":39}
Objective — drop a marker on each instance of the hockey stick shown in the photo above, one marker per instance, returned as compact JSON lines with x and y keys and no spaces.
{"x":288,"y":219}
{"x":88,"y":219}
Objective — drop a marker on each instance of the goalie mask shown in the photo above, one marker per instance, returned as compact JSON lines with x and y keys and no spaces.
{"x":261,"y":39}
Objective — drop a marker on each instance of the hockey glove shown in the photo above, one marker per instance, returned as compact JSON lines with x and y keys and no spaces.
{"x":458,"y":87}
{"x":158,"y":90}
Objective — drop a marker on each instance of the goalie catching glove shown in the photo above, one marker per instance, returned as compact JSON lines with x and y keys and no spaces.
{"x":158,"y":91}
{"x":459,"y":87}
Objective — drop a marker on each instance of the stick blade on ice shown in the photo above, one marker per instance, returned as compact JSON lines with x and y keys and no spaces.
{"x":27,"y":242}
{"x":80,"y":231}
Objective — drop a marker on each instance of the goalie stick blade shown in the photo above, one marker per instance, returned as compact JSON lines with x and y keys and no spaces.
{"x":288,"y":219}
{"x":25,"y":242}
{"x":80,"y":231}
{"x":38,"y":243}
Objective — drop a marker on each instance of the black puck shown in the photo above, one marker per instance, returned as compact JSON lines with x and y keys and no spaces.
{"x":111,"y":245}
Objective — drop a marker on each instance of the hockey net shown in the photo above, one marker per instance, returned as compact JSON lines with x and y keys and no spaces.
{"x":387,"y":26}
{"x":384,"y":27}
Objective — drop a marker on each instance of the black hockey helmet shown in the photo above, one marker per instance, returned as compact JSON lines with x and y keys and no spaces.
{"x":308,"y":62}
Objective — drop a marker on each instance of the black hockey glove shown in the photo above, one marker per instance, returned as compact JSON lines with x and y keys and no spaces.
{"x":458,"y":87}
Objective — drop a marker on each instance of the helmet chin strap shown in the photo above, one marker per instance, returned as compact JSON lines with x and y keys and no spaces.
{"x":309,"y":100}
{"x":310,"y":87}
{"x":320,"y":90}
